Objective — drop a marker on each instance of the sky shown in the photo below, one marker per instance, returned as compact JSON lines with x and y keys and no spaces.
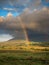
{"x":16,"y":8}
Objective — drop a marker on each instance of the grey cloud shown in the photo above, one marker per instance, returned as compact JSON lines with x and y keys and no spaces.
{"x":34,"y":4}
{"x":12,"y":26}
{"x":19,"y":5}
{"x":3,"y":3}
{"x":38,"y":20}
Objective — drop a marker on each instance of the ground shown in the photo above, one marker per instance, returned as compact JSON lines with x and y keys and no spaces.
{"x":19,"y":53}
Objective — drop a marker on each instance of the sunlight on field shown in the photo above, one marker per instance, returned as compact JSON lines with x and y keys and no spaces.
{"x":21,"y":45}
{"x":17,"y":52}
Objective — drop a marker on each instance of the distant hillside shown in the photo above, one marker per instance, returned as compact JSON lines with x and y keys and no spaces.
{"x":23,"y":45}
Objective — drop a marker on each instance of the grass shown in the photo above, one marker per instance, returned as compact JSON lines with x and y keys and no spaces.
{"x":24,"y":58}
{"x":18,"y":53}
{"x":21,"y":45}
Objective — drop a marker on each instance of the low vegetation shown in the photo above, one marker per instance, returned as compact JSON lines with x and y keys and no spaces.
{"x":24,"y":58}
{"x":19,"y":53}
{"x":21,"y":45}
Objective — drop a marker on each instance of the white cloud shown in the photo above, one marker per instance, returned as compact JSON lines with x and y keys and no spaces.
{"x":5,"y":37}
{"x":9,"y":14}
{"x":8,"y":8}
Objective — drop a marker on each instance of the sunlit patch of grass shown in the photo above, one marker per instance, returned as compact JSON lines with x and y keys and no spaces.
{"x":22,"y":45}
{"x":19,"y":53}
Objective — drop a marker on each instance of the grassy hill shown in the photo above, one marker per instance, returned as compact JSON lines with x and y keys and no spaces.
{"x":23,"y":45}
{"x":20,"y":52}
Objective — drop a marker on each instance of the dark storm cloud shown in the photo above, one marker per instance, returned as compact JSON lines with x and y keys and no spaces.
{"x":37,"y":20}
{"x":11,"y":25}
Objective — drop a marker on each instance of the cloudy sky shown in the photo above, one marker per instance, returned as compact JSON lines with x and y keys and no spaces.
{"x":17,"y":6}
{"x":34,"y":13}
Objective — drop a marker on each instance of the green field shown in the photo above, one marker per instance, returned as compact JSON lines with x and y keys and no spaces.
{"x":24,"y":58}
{"x":19,"y":53}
